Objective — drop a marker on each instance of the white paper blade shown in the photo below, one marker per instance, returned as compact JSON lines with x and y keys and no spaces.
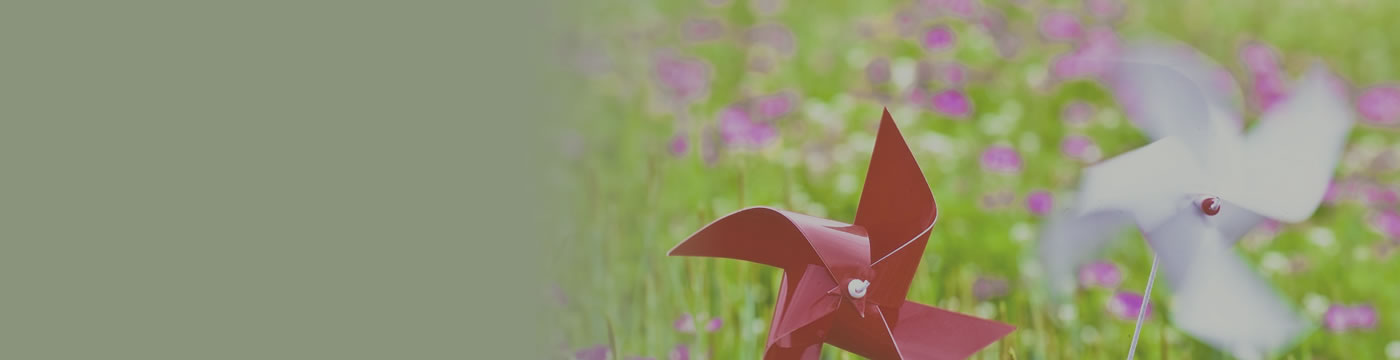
{"x":1148,"y":182}
{"x":1290,"y":156}
{"x":1217,"y":298}
{"x":1169,"y":89}
{"x":1070,"y":241}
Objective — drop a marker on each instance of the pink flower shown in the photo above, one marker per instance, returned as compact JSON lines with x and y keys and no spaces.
{"x":775,"y":106}
{"x":738,"y":128}
{"x":1081,"y":148}
{"x":1077,"y":114}
{"x":878,"y":71}
{"x":1259,"y":58}
{"x":599,"y":352}
{"x":682,"y":79}
{"x":952,"y":103}
{"x":1101,"y":274}
{"x":680,"y":143}
{"x":1387,"y":222}
{"x":939,"y":37}
{"x":775,"y":36}
{"x":1001,"y":159}
{"x":1040,"y":202}
{"x":987,"y":288}
{"x":1380,"y":105}
{"x":1104,"y":9}
{"x":1269,"y":89}
{"x":959,"y":8}
{"x":685,"y":324}
{"x":1341,"y":318}
{"x":766,"y":7}
{"x":713,"y":325}
{"x":1125,"y":306}
{"x":952,"y":74}
{"x":681,"y":352}
{"x":1380,"y":196}
{"x":700,"y":30}
{"x":1060,"y":26}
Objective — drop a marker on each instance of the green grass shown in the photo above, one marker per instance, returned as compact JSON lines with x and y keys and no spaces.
{"x":632,"y":200}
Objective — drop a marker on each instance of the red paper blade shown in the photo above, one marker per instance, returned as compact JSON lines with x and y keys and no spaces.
{"x":758,"y":234}
{"x":865,"y":336}
{"x":896,"y":204}
{"x":897,"y":209}
{"x":926,"y":332}
{"x":802,"y":344}
{"x":806,"y":305}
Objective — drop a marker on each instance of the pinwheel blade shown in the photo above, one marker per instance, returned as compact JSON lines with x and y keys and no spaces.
{"x":926,"y":332}
{"x":762,"y":235}
{"x":1169,"y":89}
{"x":897,"y":210}
{"x":1070,"y":241}
{"x":1149,"y":183}
{"x":896,"y":204}
{"x":1291,"y":155}
{"x":806,"y":304}
{"x":1217,"y":298}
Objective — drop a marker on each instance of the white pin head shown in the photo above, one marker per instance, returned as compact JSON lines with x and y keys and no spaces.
{"x":857,"y":288}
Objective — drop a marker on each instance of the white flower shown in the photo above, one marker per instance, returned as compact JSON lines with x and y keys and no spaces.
{"x":1274,"y":262}
{"x":986,"y":310}
{"x":846,"y":184}
{"x":1022,"y":232}
{"x":1036,"y":75}
{"x":902,"y":72}
{"x":1322,"y":237}
{"x":1089,"y":334}
{"x":1068,"y":313}
{"x":936,"y":143}
{"x":1361,"y":253}
{"x":1392,"y":350}
{"x":857,"y":58}
{"x":1315,"y":304}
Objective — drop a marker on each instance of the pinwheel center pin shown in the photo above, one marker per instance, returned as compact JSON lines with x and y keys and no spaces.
{"x":1210,"y":205}
{"x":856,"y":288}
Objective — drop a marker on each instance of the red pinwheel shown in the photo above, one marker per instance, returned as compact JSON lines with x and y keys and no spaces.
{"x":845,"y":284}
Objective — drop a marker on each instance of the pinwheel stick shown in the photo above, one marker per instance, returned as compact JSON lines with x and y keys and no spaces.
{"x":1146,"y":297}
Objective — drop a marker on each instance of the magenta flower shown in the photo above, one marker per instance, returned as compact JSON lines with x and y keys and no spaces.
{"x":599,"y":352}
{"x":700,"y":30}
{"x":1341,"y":318}
{"x":1104,"y":9}
{"x":952,"y":74}
{"x":776,"y":105}
{"x":1125,"y":305}
{"x":951,"y":102}
{"x":939,"y":37}
{"x":1080,"y":147}
{"x":1259,"y":58}
{"x":1101,"y":274}
{"x":714,"y":324}
{"x":1077,"y":114}
{"x":685,"y":324}
{"x":1060,"y":26}
{"x":1269,"y":89}
{"x":680,"y":143}
{"x":1040,"y":202}
{"x":1380,"y":105}
{"x":1387,"y":222}
{"x":998,"y":199}
{"x":987,"y":288}
{"x":1001,"y":159}
{"x":1380,"y":196}
{"x":682,"y":79}
{"x":878,"y":71}
{"x":681,"y":352}
{"x":774,"y":36}
{"x":766,"y":7}
{"x":738,"y":128}
{"x":959,"y":8}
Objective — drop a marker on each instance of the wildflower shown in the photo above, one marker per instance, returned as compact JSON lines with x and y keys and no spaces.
{"x":1100,"y":274}
{"x":1040,"y":202}
{"x":952,"y":103}
{"x":1125,"y":305}
{"x":939,"y":37}
{"x":1060,"y":26}
{"x":1002,"y":159}
{"x":1380,"y":105}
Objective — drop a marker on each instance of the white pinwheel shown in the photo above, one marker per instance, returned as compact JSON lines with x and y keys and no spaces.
{"x":1199,"y":186}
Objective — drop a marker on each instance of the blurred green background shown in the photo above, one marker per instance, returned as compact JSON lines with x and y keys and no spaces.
{"x":688,"y":110}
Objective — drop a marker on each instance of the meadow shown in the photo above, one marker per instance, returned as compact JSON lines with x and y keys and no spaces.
{"x":684,"y":111}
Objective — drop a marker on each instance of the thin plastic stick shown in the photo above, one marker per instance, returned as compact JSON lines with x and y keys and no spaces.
{"x":1142,"y":310}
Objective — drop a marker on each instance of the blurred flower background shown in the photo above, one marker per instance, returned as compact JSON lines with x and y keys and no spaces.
{"x":688,"y":110}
